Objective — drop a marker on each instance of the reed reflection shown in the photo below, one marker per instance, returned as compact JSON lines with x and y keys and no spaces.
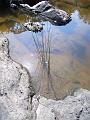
{"x":43,"y":48}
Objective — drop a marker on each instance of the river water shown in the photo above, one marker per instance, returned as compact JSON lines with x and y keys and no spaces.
{"x":58,"y":57}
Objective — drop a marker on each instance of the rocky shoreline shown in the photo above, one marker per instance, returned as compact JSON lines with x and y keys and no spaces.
{"x":16,"y":89}
{"x":18,"y":102}
{"x":76,"y":107}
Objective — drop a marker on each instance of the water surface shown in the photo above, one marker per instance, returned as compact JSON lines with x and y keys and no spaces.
{"x":58,"y":58}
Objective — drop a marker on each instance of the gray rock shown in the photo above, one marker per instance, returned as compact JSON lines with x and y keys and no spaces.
{"x":44,"y":10}
{"x":15,"y":87}
{"x":75,"y":107}
{"x":33,"y":26}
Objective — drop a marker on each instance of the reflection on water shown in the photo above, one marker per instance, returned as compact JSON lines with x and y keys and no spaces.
{"x":58,"y":58}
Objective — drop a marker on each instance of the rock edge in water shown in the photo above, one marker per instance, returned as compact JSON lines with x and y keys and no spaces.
{"x":15,"y":87}
{"x":76,"y":107}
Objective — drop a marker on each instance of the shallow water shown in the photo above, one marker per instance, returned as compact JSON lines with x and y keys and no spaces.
{"x":58,"y":58}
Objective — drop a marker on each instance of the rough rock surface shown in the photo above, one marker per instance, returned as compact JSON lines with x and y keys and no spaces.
{"x":75,"y":107}
{"x":44,"y":10}
{"x":15,"y":87}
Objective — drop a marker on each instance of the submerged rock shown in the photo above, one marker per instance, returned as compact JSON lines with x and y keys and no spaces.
{"x":16,"y":89}
{"x":30,"y":26}
{"x":75,"y":107}
{"x":33,"y":26}
{"x":46,"y":11}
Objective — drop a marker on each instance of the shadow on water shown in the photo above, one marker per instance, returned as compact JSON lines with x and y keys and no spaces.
{"x":58,"y":57}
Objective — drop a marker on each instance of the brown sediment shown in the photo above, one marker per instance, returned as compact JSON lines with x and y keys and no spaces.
{"x":79,"y":3}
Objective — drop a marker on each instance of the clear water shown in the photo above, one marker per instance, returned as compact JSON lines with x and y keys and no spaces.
{"x":58,"y":57}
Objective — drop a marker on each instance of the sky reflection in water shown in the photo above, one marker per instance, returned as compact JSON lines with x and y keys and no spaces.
{"x":70,"y":56}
